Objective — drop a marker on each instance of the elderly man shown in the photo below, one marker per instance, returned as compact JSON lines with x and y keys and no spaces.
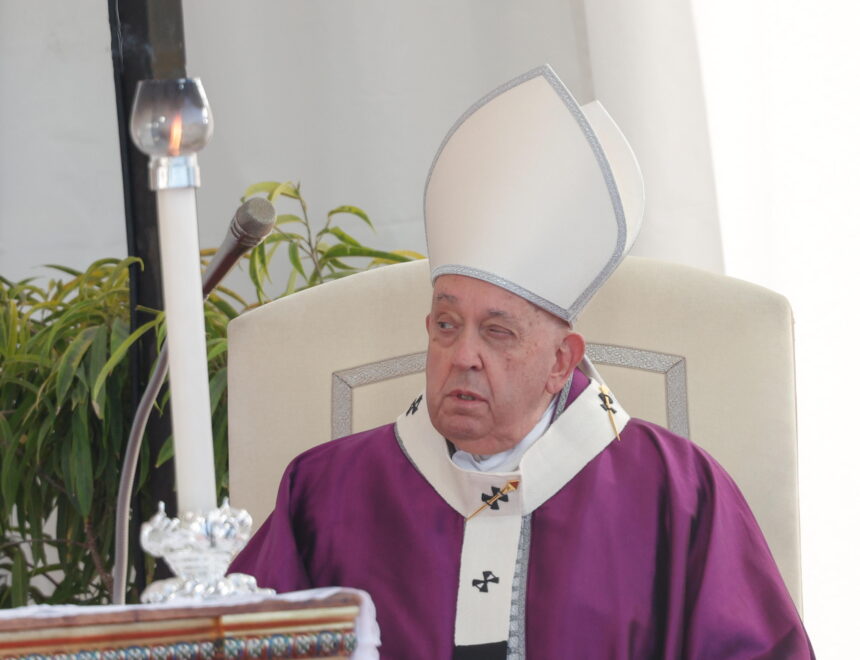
{"x":514,"y":509}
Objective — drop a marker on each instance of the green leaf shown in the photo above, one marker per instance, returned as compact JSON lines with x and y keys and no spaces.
{"x":333,"y":263}
{"x":273,"y":190}
{"x":254,"y":272}
{"x":64,"y":514}
{"x":280,"y":236}
{"x":117,"y":414}
{"x":342,"y":273}
{"x":286,"y":218}
{"x":20,"y":579}
{"x":223,"y":306}
{"x":219,"y":441}
{"x":26,"y":358}
{"x":217,"y":385}
{"x":23,"y":384}
{"x":216,"y":348}
{"x":118,"y":334}
{"x":342,"y":235}
{"x":43,"y":432}
{"x":11,"y":471}
{"x":263,"y":186}
{"x":296,"y":260}
{"x":98,"y":264}
{"x":96,"y":358}
{"x":352,"y":210}
{"x":409,"y":254}
{"x":7,"y":436}
{"x":344,"y":250}
{"x":287,"y":189}
{"x":47,"y":568}
{"x":118,"y":354}
{"x":37,"y":545}
{"x":224,"y":291}
{"x":80,"y":463}
{"x":291,"y":283}
{"x":12,"y":339}
{"x":165,"y":453}
{"x":64,"y":269}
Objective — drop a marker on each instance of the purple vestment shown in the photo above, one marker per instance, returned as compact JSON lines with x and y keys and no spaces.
{"x":650,"y":551}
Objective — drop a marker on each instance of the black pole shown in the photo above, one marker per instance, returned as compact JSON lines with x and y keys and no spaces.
{"x":147,"y":41}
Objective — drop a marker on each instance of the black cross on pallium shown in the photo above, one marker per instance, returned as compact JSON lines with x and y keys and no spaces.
{"x":495,"y":505}
{"x":483,"y":585}
{"x":607,"y":402}
{"x":414,"y":407}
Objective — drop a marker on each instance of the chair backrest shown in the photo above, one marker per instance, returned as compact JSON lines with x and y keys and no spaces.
{"x":707,"y":356}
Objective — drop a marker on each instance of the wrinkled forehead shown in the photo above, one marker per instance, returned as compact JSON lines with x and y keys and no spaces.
{"x":474,"y":296}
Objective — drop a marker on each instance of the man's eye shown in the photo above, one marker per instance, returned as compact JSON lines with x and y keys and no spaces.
{"x":498,"y":331}
{"x":444,"y":325}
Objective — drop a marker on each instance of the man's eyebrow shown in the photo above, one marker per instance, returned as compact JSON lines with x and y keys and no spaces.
{"x":494,"y":313}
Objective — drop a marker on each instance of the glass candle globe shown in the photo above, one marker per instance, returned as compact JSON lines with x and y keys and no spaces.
{"x":170,"y":117}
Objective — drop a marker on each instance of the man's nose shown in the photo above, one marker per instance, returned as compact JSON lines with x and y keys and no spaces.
{"x":467,"y":351}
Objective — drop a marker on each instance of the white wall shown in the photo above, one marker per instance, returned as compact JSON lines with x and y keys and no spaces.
{"x":61,"y":195}
{"x":781,"y":88}
{"x":353,"y":99}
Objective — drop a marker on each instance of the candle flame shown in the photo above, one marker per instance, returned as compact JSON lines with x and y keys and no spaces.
{"x":175,"y":136}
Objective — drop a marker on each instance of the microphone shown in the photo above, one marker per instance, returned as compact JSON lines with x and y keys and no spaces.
{"x":252,"y":222}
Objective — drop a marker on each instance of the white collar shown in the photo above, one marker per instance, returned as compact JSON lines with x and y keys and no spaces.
{"x":505,"y":461}
{"x":576,"y":436}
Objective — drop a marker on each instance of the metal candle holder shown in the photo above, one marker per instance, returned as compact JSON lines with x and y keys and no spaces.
{"x":198,"y":549}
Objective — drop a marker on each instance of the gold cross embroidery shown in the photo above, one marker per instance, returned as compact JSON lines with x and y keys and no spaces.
{"x":607,"y":404}
{"x":509,"y":487}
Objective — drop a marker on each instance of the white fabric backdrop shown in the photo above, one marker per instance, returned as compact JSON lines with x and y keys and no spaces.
{"x":781,"y":90}
{"x":645,"y":69}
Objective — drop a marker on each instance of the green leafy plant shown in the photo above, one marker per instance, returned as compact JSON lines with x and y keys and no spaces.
{"x":66,"y":408}
{"x":316,"y":256}
{"x":64,"y":401}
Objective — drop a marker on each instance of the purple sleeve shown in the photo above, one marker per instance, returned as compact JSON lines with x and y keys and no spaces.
{"x":736,"y":605}
{"x":271,"y":555}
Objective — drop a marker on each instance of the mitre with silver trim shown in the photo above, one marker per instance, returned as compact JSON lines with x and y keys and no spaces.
{"x":534,"y":193}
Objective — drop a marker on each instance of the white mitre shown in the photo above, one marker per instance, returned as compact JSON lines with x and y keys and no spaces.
{"x":534,"y":193}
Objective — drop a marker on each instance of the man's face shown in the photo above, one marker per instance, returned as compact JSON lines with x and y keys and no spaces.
{"x":494,"y":362}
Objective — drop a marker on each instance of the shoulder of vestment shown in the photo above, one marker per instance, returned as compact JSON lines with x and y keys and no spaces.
{"x":361,"y":446}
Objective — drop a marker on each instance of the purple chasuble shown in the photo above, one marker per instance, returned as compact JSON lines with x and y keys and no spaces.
{"x":649,"y":551}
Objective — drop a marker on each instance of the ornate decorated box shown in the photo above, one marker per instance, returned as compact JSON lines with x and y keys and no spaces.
{"x":271,"y":628}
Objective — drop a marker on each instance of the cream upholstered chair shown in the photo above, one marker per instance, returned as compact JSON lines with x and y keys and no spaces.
{"x":707,"y":356}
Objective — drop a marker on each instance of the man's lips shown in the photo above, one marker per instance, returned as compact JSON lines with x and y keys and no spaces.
{"x":465,"y":396}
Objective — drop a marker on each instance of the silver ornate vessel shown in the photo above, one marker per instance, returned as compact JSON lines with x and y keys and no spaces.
{"x":198,"y":549}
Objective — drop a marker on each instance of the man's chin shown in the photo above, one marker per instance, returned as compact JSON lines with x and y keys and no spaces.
{"x":471,"y":438}
{"x":459,"y":430}
{"x":482,"y":446}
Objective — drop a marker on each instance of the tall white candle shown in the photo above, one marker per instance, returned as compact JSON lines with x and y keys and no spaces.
{"x":186,"y":339}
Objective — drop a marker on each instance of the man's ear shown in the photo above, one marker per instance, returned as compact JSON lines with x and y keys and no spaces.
{"x":427,"y":323}
{"x":567,"y":356}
